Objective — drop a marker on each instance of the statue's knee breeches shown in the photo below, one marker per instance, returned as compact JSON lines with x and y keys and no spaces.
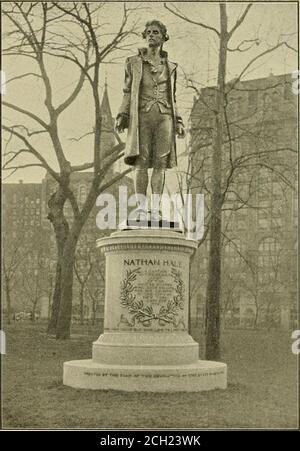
{"x":156,"y":132}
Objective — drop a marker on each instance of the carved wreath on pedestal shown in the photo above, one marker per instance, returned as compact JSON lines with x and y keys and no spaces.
{"x":144,"y":314}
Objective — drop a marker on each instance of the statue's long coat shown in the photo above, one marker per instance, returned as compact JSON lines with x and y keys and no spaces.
{"x":130,"y":106}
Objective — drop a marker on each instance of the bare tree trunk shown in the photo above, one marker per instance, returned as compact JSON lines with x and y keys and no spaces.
{"x":33,"y":310}
{"x":214,"y":266}
{"x":94,"y":306}
{"x":49,"y":304}
{"x":70,"y":238}
{"x":225,"y":309}
{"x":63,"y":328}
{"x":55,"y":301}
{"x":256,"y":313}
{"x":94,"y":314}
{"x":61,"y":230}
{"x":81,"y":297}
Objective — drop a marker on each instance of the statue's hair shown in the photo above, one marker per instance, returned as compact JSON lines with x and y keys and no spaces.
{"x":160,"y":25}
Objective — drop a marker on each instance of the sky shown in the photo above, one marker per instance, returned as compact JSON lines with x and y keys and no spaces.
{"x":192,"y":47}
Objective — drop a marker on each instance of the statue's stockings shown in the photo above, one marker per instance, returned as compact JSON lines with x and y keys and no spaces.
{"x":157,"y":183}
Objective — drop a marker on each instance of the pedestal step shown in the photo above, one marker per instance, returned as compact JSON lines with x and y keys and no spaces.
{"x":200,"y":376}
{"x":145,"y":349}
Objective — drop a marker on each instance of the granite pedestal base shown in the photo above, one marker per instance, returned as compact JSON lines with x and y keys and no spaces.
{"x":199,"y":376}
{"x":146,"y":345}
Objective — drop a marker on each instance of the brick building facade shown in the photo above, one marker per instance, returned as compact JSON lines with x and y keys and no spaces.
{"x":259,"y":213}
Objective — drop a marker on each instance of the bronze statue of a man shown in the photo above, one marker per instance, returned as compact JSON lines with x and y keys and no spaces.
{"x":149,"y":111}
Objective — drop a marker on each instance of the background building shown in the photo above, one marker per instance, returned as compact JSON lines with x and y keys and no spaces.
{"x":259,"y":219}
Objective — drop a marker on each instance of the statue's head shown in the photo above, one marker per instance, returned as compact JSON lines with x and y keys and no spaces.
{"x":155,"y":33}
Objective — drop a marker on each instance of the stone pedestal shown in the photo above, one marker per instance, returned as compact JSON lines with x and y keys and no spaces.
{"x":146,"y":345}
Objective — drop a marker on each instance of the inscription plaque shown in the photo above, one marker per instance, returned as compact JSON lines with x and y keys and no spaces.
{"x":152,"y":294}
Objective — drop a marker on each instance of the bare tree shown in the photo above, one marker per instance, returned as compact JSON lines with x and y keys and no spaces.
{"x":96,"y":290}
{"x":230,"y":285}
{"x":267,"y":277}
{"x":34,"y":278}
{"x":95,"y":295}
{"x":71,"y":32}
{"x":31,"y":289}
{"x":219,"y":135}
{"x":82,"y":275}
{"x":14,"y":253}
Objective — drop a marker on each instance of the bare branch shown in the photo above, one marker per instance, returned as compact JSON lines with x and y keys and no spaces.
{"x":29,"y":133}
{"x":104,"y":187}
{"x":114,"y":155}
{"x":33,"y":151}
{"x":23,"y":166}
{"x":74,"y":94}
{"x":248,"y":263}
{"x":70,"y":12}
{"x":18,"y":77}
{"x":240,"y":20}
{"x":27,"y":113}
{"x":272,"y":49}
{"x":187,"y":19}
{"x":239,"y":48}
{"x":291,"y":48}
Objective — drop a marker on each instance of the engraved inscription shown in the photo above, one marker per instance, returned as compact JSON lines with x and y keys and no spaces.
{"x":152,"y":292}
{"x":215,"y":373}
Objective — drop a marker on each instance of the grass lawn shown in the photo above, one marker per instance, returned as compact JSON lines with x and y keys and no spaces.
{"x":262,"y":389}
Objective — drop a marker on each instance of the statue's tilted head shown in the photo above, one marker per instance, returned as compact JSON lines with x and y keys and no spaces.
{"x":160,"y":25}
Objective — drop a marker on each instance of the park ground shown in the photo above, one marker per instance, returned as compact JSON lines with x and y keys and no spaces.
{"x":261,"y":393}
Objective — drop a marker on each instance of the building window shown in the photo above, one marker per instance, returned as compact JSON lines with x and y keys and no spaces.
{"x":277,"y":213}
{"x":277,"y":222}
{"x":263,"y":214}
{"x":228,"y":219}
{"x":230,"y":196}
{"x":231,"y":251}
{"x":264,"y":183}
{"x":269,"y":245}
{"x":241,"y":220}
{"x":263,"y":223}
{"x":269,"y":260}
{"x":268,"y":276}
